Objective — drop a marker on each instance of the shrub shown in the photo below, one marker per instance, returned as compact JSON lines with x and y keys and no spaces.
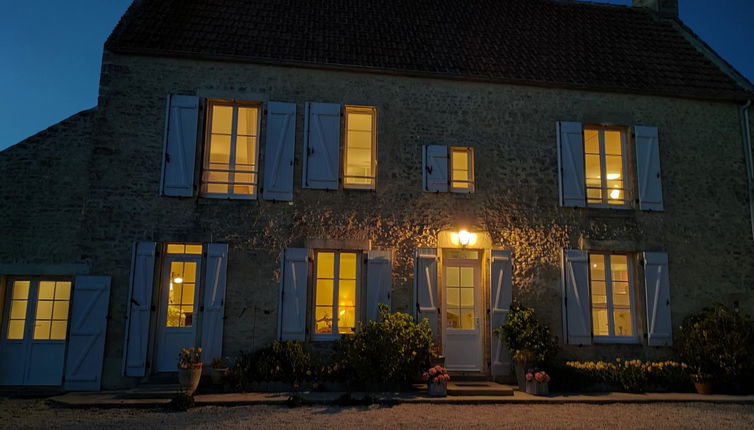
{"x":280,"y":361}
{"x":717,"y":344}
{"x":526,"y":337}
{"x":633,"y":376}
{"x":394,"y":349}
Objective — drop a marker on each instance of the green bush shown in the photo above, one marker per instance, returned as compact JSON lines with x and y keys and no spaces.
{"x":633,"y":376}
{"x":280,"y":361}
{"x":526,"y":337}
{"x":394,"y":349}
{"x":717,"y":344}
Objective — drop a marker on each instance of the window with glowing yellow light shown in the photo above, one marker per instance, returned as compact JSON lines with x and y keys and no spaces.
{"x":336,"y":281}
{"x":231,"y":149}
{"x":182,"y":284}
{"x":605,"y":166}
{"x":359,"y":149}
{"x":461,"y":169}
{"x":612,"y":301}
{"x":44,"y":304}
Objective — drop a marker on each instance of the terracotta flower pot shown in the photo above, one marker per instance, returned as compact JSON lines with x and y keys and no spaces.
{"x":704,"y":387}
{"x":189,"y":378}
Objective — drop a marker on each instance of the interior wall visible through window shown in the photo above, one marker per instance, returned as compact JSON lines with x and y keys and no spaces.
{"x":359,"y":149}
{"x":605,"y":165}
{"x":336,"y":278}
{"x":461,"y":169}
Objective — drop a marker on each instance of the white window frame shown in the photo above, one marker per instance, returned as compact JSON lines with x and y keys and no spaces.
{"x":472,"y":179}
{"x":336,"y":281}
{"x":612,"y":338}
{"x":371,"y":110}
{"x":235,"y":104}
{"x":624,"y":161}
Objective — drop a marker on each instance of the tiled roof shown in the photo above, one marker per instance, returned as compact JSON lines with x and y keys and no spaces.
{"x":540,"y":42}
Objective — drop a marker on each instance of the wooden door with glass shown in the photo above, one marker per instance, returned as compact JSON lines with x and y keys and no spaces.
{"x":462,"y":317}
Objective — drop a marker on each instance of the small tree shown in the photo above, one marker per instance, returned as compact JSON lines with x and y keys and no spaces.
{"x":528,"y":339}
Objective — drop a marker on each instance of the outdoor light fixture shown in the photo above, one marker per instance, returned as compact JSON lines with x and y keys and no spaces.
{"x":464,"y":237}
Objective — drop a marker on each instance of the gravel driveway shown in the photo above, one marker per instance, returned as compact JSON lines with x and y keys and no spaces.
{"x":37,"y":414}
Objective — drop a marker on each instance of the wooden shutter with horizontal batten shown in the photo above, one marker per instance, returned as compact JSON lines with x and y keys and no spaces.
{"x":180,"y":146}
{"x":214,"y":301}
{"x":379,"y":281}
{"x":648,"y":168}
{"x":139,"y":307}
{"x":576,"y":296}
{"x":292,"y":308}
{"x":657,"y":287}
{"x":86,"y":342}
{"x":426,"y":289}
{"x":321,"y":146}
{"x":435,"y":168}
{"x":278,"y":156}
{"x":571,"y":164}
{"x":501,"y":293}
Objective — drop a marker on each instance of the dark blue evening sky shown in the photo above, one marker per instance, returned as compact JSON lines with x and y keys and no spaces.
{"x":50,"y":53}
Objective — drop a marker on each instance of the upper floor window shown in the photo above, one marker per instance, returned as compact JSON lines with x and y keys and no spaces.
{"x":611,"y":283}
{"x":605,"y":166}
{"x":461,"y":169}
{"x":359,"y":148}
{"x":448,"y":168}
{"x":336,"y":279}
{"x":231,"y":149}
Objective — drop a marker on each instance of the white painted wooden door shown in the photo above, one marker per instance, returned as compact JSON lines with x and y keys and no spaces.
{"x":462,"y":317}
{"x":179,"y":292}
{"x":34,"y":332}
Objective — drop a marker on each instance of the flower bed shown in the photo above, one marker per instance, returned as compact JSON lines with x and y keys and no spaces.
{"x":633,"y":376}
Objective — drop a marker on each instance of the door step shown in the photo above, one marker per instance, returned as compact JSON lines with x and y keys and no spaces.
{"x":478,"y":388}
{"x":151,"y":391}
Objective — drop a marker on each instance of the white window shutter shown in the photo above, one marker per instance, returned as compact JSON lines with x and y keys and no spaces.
{"x":321,"y":146}
{"x":571,"y":164}
{"x":88,"y":326}
{"x":657,"y":285}
{"x":278,"y":158}
{"x":379,"y":281}
{"x":180,"y":146}
{"x":501,"y":293}
{"x":214,"y":301}
{"x":292,"y":308}
{"x":139,"y":307}
{"x":426,"y":289}
{"x":576,"y":295}
{"x":435,"y":168}
{"x":648,"y":168}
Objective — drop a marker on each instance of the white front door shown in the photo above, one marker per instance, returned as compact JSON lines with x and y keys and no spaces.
{"x":178,"y":309}
{"x":461,"y":314}
{"x":34,"y":332}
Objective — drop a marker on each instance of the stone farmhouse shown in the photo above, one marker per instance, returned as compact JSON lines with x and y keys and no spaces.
{"x":273,"y":169}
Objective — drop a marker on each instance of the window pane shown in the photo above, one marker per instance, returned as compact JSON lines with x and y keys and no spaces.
{"x":613,"y":142}
{"x":187,"y":298}
{"x":593,"y":175}
{"x":591,"y":141}
{"x":174,"y":316}
{"x":454,"y":318}
{"x":467,"y":319}
{"x":620,"y":294}
{"x":358,"y":149}
{"x":247,"y":121}
{"x":187,"y":316}
{"x":246,"y":153}
{"x":347,"y":266}
{"x":323,"y":320}
{"x":46,"y":290}
{"x":60,"y":310}
{"x":452,"y":275}
{"x":193,"y":249}
{"x":189,"y":272}
{"x":176,"y":248}
{"x":460,"y":168}
{"x":359,"y":121}
{"x":325,"y":265}
{"x":62,"y":290}
{"x":467,"y":297}
{"x":16,"y":329}
{"x":222,"y":119}
{"x":324,"y":293}
{"x":599,"y":293}
{"x":623,"y":323}
{"x":619,"y":267}
{"x":597,"y":267}
{"x":219,"y":151}
{"x":599,"y":322}
{"x":41,"y":330}
{"x":467,"y":276}
{"x":44,"y":310}
{"x":18,"y":309}
{"x":58,"y":330}
{"x":347,"y":293}
{"x":21,"y":290}
{"x":346,"y":319}
{"x":614,"y":166}
{"x":453,"y":298}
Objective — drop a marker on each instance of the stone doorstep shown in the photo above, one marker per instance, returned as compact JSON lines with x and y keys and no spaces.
{"x":116,"y":399}
{"x":478,"y":388}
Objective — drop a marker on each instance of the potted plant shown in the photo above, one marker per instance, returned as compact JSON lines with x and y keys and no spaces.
{"x":537,"y":382}
{"x":437,"y":378}
{"x":218,"y":370}
{"x":717,"y":345}
{"x":528,"y":340}
{"x":189,"y":369}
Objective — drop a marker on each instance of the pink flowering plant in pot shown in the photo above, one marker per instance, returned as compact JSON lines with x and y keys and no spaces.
{"x":437,"y":378}
{"x":537,"y":382}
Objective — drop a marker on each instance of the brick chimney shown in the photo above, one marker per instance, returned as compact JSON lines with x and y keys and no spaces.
{"x":663,"y":8}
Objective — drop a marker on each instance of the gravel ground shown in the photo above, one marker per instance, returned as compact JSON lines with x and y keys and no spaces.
{"x":37,"y":414}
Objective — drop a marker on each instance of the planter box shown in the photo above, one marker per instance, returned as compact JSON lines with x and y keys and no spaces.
{"x":437,"y":389}
{"x":537,"y":388}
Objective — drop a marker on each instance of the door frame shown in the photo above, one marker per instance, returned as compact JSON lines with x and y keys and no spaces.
{"x":481,"y":305}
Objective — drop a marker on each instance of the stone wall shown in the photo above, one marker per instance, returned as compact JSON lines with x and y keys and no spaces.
{"x":705,"y":226}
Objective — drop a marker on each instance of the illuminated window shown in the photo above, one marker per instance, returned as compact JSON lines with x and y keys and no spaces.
{"x":51,"y":317}
{"x":335,"y":283}
{"x":461,"y":169}
{"x":359,"y":152}
{"x":611,"y":283}
{"x":18,"y":307}
{"x":181,"y":289}
{"x":184,"y":248}
{"x":231,"y":150}
{"x":604,"y":163}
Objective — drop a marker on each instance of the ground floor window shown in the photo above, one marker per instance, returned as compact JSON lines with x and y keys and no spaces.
{"x":612,"y":296}
{"x":38,"y":309}
{"x":336,"y":282}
